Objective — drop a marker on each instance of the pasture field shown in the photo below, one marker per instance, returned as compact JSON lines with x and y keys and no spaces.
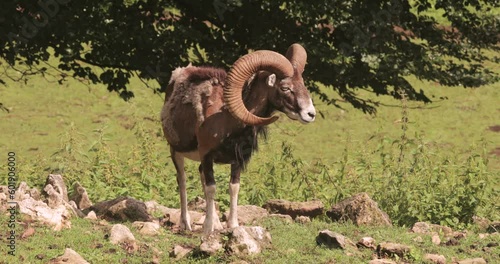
{"x":444,"y":167}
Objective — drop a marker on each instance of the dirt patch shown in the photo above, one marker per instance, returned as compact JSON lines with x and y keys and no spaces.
{"x":496,"y":152}
{"x":495,"y":128}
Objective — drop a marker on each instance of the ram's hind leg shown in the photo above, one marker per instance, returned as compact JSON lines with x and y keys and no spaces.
{"x":212,"y":221}
{"x":178,"y":161}
{"x":234,"y":188}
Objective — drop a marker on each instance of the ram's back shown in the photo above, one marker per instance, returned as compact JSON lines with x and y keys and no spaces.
{"x":193,"y":94}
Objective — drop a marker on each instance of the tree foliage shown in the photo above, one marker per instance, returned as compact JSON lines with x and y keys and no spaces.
{"x":355,"y":44}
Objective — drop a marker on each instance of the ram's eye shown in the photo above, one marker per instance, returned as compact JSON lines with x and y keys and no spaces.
{"x":285,"y":89}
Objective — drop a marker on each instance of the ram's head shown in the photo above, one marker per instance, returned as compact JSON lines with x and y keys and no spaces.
{"x":288,"y":95}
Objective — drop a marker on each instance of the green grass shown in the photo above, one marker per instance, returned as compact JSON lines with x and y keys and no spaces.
{"x":448,"y":172}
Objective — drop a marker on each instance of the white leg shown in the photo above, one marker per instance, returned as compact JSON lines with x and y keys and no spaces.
{"x":212,"y":221}
{"x":185,"y":221}
{"x":234,"y":188}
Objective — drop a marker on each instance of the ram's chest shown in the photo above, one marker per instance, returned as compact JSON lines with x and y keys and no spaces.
{"x":238,"y":147}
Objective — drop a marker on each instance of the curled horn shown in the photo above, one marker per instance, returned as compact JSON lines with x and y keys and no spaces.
{"x":244,"y":68}
{"x":297,"y":55}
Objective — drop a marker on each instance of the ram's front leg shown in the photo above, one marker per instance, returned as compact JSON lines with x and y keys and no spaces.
{"x":234,"y":188}
{"x":212,"y":221}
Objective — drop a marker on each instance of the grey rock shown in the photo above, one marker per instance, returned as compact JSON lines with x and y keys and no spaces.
{"x":472,"y":261}
{"x":121,"y":234}
{"x":333,"y":240}
{"x":199,"y":204}
{"x":301,"y":219}
{"x":247,"y":240}
{"x":69,"y":256}
{"x":91,"y":216}
{"x":387,"y":249}
{"x":147,"y":228}
{"x":435,"y":239}
{"x":294,"y":209}
{"x":55,"y":190}
{"x":179,"y":251}
{"x":367,"y":242}
{"x":248,"y":214}
{"x":57,"y":217}
{"x":121,"y":209}
{"x":80,"y":197}
{"x":361,"y":210}
{"x":282,"y":217}
{"x":429,"y":229}
{"x":211,"y":244}
{"x":435,"y":258}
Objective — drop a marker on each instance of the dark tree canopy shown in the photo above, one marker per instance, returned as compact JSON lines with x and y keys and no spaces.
{"x":351,"y":45}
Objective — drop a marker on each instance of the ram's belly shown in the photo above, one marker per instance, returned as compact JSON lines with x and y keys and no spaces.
{"x":192,"y":155}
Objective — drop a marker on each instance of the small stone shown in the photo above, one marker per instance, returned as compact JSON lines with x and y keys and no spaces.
{"x":28,"y":232}
{"x":435,"y":239}
{"x":393,"y":249}
{"x":434,"y":258}
{"x":211,"y":244}
{"x":426,"y":228}
{"x":247,"y":240}
{"x":147,"y":228}
{"x":302,"y":219}
{"x":282,"y":217}
{"x":69,"y":256}
{"x":381,"y":261}
{"x":179,"y":251}
{"x":120,"y":234}
{"x":56,"y":190}
{"x":333,"y":240}
{"x":91,"y":216}
{"x":80,"y":197}
{"x":199,"y":204}
{"x":472,"y":261}
{"x":367,"y":242}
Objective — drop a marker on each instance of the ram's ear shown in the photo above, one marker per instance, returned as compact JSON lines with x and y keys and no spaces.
{"x":271,"y":80}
